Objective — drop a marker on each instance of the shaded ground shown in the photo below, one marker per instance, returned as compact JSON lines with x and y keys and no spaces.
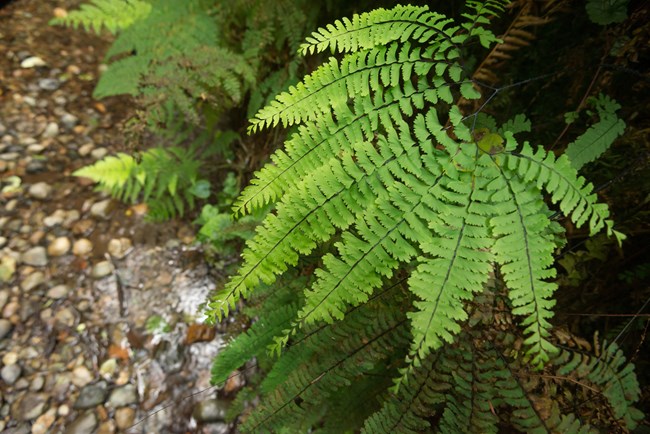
{"x":97,"y":307}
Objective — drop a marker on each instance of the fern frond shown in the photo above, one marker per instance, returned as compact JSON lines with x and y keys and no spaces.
{"x":114,"y":15}
{"x":380,"y":27}
{"x":599,"y":137}
{"x":113,"y":174}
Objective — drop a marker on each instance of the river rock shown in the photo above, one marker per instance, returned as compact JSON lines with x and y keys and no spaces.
{"x":81,"y":376}
{"x":35,"y":256}
{"x":44,"y":422}
{"x":82,"y":247}
{"x":56,"y":218}
{"x":32,"y":62}
{"x":32,"y":281}
{"x":59,"y":247}
{"x":50,"y":84}
{"x":91,"y":396}
{"x":119,"y":247}
{"x":211,"y":410}
{"x":101,"y":270}
{"x":84,"y":424}
{"x":51,"y":130}
{"x":102,"y":208}
{"x":58,"y":291}
{"x":86,"y":149}
{"x":5,"y":327}
{"x":69,"y":121}
{"x":29,"y":407}
{"x":123,"y":396}
{"x":124,"y":417}
{"x":98,"y":153}
{"x":10,"y":373}
{"x":40,"y":190}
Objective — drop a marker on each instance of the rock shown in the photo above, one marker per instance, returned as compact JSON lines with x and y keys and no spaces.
{"x":32,"y":281}
{"x":44,"y":422}
{"x":69,"y":121}
{"x":54,"y":219}
{"x":58,"y":291}
{"x":85,"y":150}
{"x":49,"y":84}
{"x":98,"y":153}
{"x":65,"y":317}
{"x":59,"y":247}
{"x":107,"y":427}
{"x":81,"y":376}
{"x":71,"y":217}
{"x":84,"y":226}
{"x":101,"y":270}
{"x":5,"y":328}
{"x":84,"y":424}
{"x":102,"y":209}
{"x":29,"y":407}
{"x":10,"y":358}
{"x":212,"y":410}
{"x":10,"y":373}
{"x":35,"y":256}
{"x":124,"y":417}
{"x":51,"y":130}
{"x":82,"y":247}
{"x":35,"y":149}
{"x":32,"y":62}
{"x":40,"y":190}
{"x":123,"y":396}
{"x":91,"y":396}
{"x":107,"y":369}
{"x":37,"y":383}
{"x":119,"y":247}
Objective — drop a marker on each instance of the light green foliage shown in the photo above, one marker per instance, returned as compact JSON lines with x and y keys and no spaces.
{"x":600,"y":136}
{"x":114,"y":15}
{"x":605,"y":12}
{"x":375,"y":185}
{"x":167,"y":178}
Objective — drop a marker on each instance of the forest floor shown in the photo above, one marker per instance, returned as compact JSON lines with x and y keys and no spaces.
{"x":99,"y":323}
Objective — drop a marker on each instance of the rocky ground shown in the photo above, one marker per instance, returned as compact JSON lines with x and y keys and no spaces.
{"x":98,"y":308}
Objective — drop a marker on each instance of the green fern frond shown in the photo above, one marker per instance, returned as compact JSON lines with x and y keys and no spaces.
{"x":114,"y":15}
{"x":166,"y":178}
{"x":599,"y":137}
{"x":611,"y":375}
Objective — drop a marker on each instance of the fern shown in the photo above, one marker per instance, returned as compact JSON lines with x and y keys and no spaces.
{"x":412,"y":208}
{"x":114,"y":15}
{"x":167,"y":178}
{"x":600,"y":136}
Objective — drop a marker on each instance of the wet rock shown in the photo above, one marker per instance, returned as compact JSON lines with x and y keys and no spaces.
{"x":81,"y":376}
{"x":91,"y":396}
{"x":82,"y":247}
{"x":124,"y":417}
{"x":123,"y":396}
{"x":212,"y":410}
{"x":35,"y":166}
{"x":10,"y":373}
{"x":71,"y":217}
{"x":44,"y":422}
{"x":5,"y":327}
{"x":35,"y":256}
{"x":40,"y":190}
{"x":99,"y":153}
{"x":58,"y":291}
{"x":65,"y":317}
{"x":102,"y":209}
{"x":101,"y":270}
{"x":119,"y":247}
{"x":29,"y":407}
{"x":69,"y":121}
{"x":50,"y":84}
{"x":32,"y":281}
{"x":32,"y":62}
{"x":59,"y":247}
{"x":84,"y":424}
